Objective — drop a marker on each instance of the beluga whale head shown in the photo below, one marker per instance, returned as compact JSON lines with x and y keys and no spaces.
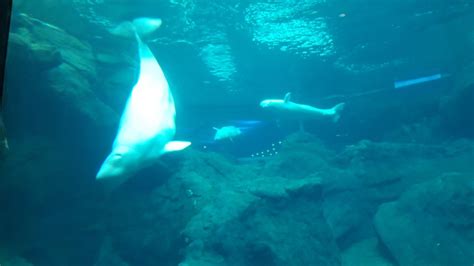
{"x":120,"y":163}
{"x":271,"y":103}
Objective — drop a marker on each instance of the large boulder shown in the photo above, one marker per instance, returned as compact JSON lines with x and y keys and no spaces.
{"x":456,"y":108}
{"x":301,"y":155}
{"x":146,"y":228}
{"x":209,"y":211}
{"x":14,"y":261}
{"x":372,"y":173}
{"x":46,"y":202}
{"x":285,"y":231}
{"x":365,"y":252}
{"x":431,"y":224}
{"x":54,"y":74}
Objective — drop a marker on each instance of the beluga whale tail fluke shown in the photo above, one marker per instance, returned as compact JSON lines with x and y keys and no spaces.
{"x":287,"y":109}
{"x":337,"y":109}
{"x":143,"y":27}
{"x":147,"y":125}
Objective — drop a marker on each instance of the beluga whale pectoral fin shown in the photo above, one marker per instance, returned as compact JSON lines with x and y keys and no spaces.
{"x":287,"y":97}
{"x":176,"y":146}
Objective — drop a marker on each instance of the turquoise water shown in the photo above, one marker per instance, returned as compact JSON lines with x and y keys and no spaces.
{"x":386,"y":178}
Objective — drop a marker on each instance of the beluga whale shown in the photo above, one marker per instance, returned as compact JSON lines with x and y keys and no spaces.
{"x":286,"y":109}
{"x":147,"y":125}
{"x":227,"y":132}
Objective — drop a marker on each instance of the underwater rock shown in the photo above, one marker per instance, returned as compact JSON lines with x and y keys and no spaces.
{"x":146,"y":228}
{"x":372,"y":173}
{"x":431,"y":224}
{"x":279,"y":188}
{"x":342,"y":193}
{"x":63,"y":71}
{"x":23,"y":52}
{"x":238,"y":225}
{"x":454,"y":118}
{"x":29,"y":170}
{"x":371,"y":162}
{"x":108,"y":256}
{"x":69,"y":89}
{"x":39,"y":193}
{"x":455,"y":108}
{"x":346,"y":224}
{"x":15,"y":261}
{"x":196,"y":218}
{"x":47,"y":39}
{"x":286,"y":232}
{"x":208,"y":210}
{"x":57,"y":12}
{"x":219,"y":195}
{"x":365,"y":253}
{"x":117,"y":67}
{"x":300,"y":156}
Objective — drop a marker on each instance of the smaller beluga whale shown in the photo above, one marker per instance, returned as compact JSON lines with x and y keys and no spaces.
{"x":147,"y":125}
{"x":227,"y":132}
{"x":286,"y":109}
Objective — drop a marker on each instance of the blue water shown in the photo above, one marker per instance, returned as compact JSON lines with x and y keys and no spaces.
{"x":390,"y":183}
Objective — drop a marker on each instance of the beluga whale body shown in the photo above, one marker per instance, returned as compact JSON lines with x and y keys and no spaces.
{"x":147,"y":125}
{"x":285,"y":108}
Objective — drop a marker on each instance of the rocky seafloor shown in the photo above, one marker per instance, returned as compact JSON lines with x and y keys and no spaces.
{"x":373,"y":203}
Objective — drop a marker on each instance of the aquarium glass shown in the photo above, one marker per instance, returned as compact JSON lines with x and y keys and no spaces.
{"x":226,"y":132}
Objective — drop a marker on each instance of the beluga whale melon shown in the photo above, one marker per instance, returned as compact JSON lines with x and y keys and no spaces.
{"x":147,"y":125}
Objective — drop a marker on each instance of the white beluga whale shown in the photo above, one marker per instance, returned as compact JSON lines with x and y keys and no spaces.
{"x":285,"y":108}
{"x":227,"y":132}
{"x":147,"y":125}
